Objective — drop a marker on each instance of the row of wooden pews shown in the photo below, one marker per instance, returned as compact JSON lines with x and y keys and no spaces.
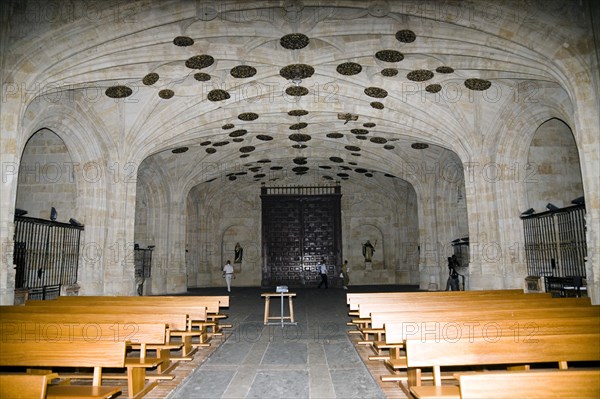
{"x":46,"y":343}
{"x":431,"y":341}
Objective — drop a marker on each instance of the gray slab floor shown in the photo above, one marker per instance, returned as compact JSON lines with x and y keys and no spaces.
{"x":313,"y":359}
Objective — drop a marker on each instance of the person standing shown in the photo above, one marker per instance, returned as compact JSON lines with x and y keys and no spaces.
{"x":322,"y":269}
{"x":228,"y":274}
{"x":345,"y":275}
{"x":368,"y":250}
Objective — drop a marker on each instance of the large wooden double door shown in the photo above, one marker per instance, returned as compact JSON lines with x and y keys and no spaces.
{"x":297,"y":232}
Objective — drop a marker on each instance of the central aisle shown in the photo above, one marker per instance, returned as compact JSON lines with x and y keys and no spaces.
{"x":314,"y":359}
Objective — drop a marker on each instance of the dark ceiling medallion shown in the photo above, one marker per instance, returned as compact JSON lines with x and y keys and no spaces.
{"x":297,"y":112}
{"x":217,"y":95}
{"x":349,"y":68}
{"x":376,"y":92}
{"x":335,"y":135}
{"x":232,"y":178}
{"x":220,"y":143}
{"x":244,"y":155}
{"x":228,"y":126}
{"x":211,"y":150}
{"x":327,"y":177}
{"x":205,"y":143}
{"x":150,"y":79}
{"x":378,"y":140}
{"x":248,"y":116}
{"x":243,"y":71}
{"x":179,"y":150}
{"x":352,"y":148}
{"x":264,"y":161}
{"x":199,"y":61}
{"x":254,"y":169}
{"x":300,"y":169}
{"x":299,"y":146}
{"x":299,"y":137}
{"x":419,"y":75}
{"x":478,"y":84}
{"x":360,"y":170}
{"x":238,"y":133}
{"x":433,"y":88}
{"x":238,"y":140}
{"x":324,"y":166}
{"x":361,"y":137}
{"x":247,"y":149}
{"x":166,"y":94}
{"x":389,"y":55}
{"x":419,"y":146}
{"x":389,"y":72}
{"x":118,"y":92}
{"x":264,"y":137}
{"x":298,"y":126}
{"x":296,"y":91}
{"x":406,"y":36}
{"x":369,"y":174}
{"x":300,"y":160}
{"x":346,"y":167}
{"x":444,"y":69}
{"x":377,"y":105}
{"x":369,"y":124}
{"x":343,"y":175}
{"x":359,"y":131}
{"x":294,"y":41}
{"x":276,"y":167}
{"x":336,"y":159}
{"x":202,"y":77}
{"x":389,"y":175}
{"x":388,"y":147}
{"x":355,"y":154}
{"x":297,"y":71}
{"x":183,"y":41}
{"x":259,"y":175}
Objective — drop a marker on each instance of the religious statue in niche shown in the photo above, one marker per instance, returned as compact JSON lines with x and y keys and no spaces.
{"x":239,"y":252}
{"x":368,"y":250}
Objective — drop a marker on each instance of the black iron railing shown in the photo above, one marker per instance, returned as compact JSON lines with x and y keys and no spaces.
{"x":46,"y":255}
{"x":555,"y":243}
{"x":300,"y":190}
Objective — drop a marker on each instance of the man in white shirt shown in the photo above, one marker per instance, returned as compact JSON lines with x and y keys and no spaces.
{"x":228,"y":274}
{"x":322,"y":269}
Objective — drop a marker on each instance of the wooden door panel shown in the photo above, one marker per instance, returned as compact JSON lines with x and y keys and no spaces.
{"x":298,"y":231}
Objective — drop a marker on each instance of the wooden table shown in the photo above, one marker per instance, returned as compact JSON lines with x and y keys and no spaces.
{"x":282,"y":318}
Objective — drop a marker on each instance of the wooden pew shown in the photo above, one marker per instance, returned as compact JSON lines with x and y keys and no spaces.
{"x":459,"y":306}
{"x":566,"y":384}
{"x":25,"y":386}
{"x":185,"y":334}
{"x":131,"y":334}
{"x":213,"y":303}
{"x":67,"y":354}
{"x":479,"y":351}
{"x":521,"y":324}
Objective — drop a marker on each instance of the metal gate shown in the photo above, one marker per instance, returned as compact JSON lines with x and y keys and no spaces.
{"x":555,"y":243}
{"x":46,"y":256}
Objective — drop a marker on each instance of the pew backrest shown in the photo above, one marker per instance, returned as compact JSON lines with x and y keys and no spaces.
{"x":532,"y":300}
{"x":454,"y":328}
{"x":128,"y":321}
{"x":378,"y":319}
{"x":352,"y":299}
{"x":138,"y":333}
{"x":503,"y":350}
{"x":63,"y":354}
{"x":581,"y":384}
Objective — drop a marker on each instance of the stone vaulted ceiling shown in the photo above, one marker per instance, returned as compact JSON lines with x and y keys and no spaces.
{"x":351,"y":89}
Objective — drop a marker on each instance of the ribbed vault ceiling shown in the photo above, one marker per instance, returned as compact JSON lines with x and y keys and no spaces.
{"x":351,"y":90}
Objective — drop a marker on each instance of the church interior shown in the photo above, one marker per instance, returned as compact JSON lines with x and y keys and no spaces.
{"x":145,"y":144}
